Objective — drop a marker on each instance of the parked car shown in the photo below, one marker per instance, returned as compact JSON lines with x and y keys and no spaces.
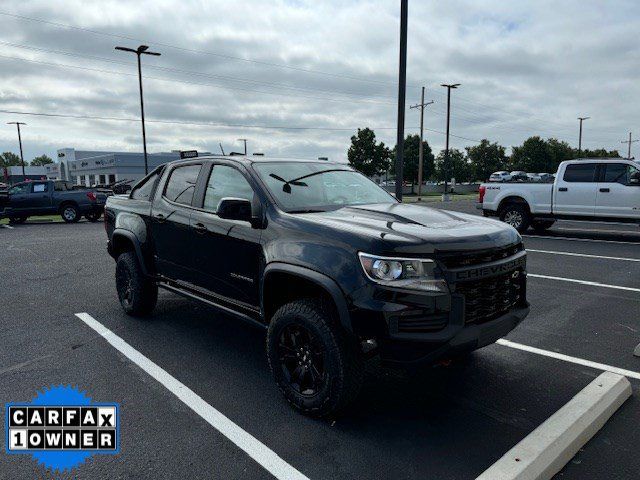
{"x":334,"y":275}
{"x":500,"y":177}
{"x":519,"y":175}
{"x":48,"y":197}
{"x":589,"y":190}
{"x":546,"y":177}
{"x":533,"y":177}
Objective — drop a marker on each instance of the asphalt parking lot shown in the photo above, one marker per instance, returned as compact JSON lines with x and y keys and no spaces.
{"x":445,"y":423}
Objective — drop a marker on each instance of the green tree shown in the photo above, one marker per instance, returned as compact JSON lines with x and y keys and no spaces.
{"x":532,"y":156}
{"x":411,"y":159}
{"x":486,"y":158}
{"x":9,"y":159}
{"x":41,"y":160}
{"x":367,"y":156}
{"x":599,"y":153}
{"x":459,"y":166}
{"x":559,"y":151}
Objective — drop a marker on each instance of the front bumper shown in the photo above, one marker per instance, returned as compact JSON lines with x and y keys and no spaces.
{"x":485,"y":302}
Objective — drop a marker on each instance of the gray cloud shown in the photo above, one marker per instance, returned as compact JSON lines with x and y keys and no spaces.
{"x":526,"y":68}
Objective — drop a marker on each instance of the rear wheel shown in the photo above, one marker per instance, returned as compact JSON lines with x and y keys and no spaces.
{"x":317,"y":368}
{"x":137,"y":293}
{"x":17,"y":220}
{"x":541,"y":226}
{"x":516,"y":215}
{"x":93,"y":216}
{"x":70,"y":213}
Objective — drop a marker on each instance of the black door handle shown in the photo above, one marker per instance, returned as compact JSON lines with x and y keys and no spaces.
{"x":160,"y":217}
{"x":199,"y":228}
{"x":563,"y":189}
{"x":605,"y":190}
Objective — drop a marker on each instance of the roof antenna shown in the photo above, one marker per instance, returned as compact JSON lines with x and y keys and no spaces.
{"x":221,"y":149}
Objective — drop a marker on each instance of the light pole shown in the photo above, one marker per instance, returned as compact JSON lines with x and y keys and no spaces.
{"x":580,"y":135}
{"x":402,"y":87}
{"x":17,"y":124}
{"x":421,"y":106}
{"x":449,"y":87}
{"x":245,"y":144}
{"x":141,"y":50}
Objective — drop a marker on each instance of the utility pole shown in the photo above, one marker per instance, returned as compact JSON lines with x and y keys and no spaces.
{"x":629,"y":142}
{"x":449,"y":87}
{"x":245,"y":144}
{"x":580,"y":136}
{"x":17,"y":124}
{"x":421,"y":106}
{"x":402,"y":87}
{"x":141,"y":50}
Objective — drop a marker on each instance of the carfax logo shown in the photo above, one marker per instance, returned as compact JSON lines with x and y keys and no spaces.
{"x":62,"y":427}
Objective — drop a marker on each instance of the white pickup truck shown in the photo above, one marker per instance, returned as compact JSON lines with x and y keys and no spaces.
{"x":603,"y":190}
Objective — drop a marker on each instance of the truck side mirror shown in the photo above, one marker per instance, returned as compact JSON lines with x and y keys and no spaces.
{"x":634,"y":179}
{"x":231,"y":208}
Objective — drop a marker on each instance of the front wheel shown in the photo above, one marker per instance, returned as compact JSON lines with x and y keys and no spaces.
{"x":517,"y":216}
{"x":316,"y":366}
{"x":137,"y":293}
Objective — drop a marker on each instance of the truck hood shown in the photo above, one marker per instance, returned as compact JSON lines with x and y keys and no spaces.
{"x":412,"y":229}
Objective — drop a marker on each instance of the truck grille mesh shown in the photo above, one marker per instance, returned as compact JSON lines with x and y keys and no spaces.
{"x":491,"y":297}
{"x":466,"y":259}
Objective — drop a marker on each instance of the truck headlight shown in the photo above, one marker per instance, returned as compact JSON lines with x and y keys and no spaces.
{"x":410,"y":273}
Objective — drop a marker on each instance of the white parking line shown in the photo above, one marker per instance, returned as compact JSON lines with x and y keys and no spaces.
{"x":584,"y":282}
{"x":8,"y":226}
{"x":582,"y":239}
{"x":257,"y":450}
{"x":570,"y":359}
{"x":571,"y":254}
{"x":633,"y":232}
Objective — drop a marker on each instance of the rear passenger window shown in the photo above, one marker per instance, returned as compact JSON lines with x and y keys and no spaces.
{"x":577,"y":172}
{"x":145,"y":189}
{"x":182,"y":184}
{"x":616,"y":173}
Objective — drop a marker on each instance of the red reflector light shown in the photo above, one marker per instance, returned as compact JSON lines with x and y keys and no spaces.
{"x":481,"y":193}
{"x":91,"y":196}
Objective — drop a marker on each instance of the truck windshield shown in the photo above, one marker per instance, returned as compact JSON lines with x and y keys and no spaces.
{"x":307,"y":187}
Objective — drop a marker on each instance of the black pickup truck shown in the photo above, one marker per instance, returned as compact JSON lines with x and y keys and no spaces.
{"x":50,"y":197}
{"x":335,"y":268}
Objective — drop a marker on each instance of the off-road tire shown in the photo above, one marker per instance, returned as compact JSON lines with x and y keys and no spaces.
{"x":343,"y":364}
{"x":137,"y":293}
{"x":517,"y":216}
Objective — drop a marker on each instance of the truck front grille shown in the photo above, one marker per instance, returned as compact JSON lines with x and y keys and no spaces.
{"x":466,"y":259}
{"x":491,"y":297}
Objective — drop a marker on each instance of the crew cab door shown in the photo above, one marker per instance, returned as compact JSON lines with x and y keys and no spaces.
{"x":227,"y":253}
{"x":617,"y":196}
{"x":574,"y":192}
{"x":170,"y":215}
{"x":18,"y":198}
{"x":39,"y":198}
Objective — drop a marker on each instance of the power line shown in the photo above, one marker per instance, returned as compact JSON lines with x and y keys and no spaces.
{"x":205,"y":52}
{"x":213,"y":124}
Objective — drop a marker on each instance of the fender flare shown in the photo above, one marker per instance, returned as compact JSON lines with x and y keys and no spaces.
{"x":120,"y":232}
{"x":322,"y":280}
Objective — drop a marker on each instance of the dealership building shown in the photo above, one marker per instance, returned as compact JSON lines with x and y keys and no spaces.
{"x":91,"y":167}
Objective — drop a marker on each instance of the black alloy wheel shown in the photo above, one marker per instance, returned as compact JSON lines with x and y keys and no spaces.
{"x":301,"y":360}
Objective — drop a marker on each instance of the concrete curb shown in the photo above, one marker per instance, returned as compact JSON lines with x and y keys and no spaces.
{"x":549,"y":447}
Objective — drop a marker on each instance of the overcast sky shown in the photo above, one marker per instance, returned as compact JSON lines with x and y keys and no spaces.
{"x":526,"y":68}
